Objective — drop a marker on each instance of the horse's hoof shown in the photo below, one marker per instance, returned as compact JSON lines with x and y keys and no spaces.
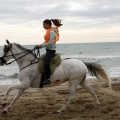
{"x":55,"y":112}
{"x":97,"y":105}
{"x":4,"y":112}
{"x":3,"y":105}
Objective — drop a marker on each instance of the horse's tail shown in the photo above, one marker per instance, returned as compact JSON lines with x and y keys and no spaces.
{"x":98,"y":71}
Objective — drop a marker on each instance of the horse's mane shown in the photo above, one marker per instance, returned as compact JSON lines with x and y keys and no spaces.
{"x":23,"y":48}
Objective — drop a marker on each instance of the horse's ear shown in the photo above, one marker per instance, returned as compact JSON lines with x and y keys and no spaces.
{"x":7,"y":42}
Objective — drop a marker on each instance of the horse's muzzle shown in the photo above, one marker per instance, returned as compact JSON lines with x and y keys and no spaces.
{"x":2,"y":61}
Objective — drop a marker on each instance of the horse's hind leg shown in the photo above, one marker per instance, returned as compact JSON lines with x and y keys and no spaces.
{"x":90,"y":90}
{"x":72,"y":89}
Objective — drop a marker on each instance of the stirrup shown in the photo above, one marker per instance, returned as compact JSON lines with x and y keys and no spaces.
{"x":45,"y":82}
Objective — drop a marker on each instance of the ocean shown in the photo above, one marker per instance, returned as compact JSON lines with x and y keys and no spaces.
{"x":106,"y":54}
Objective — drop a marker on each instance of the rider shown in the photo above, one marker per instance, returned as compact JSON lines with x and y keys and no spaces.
{"x":51,"y":36}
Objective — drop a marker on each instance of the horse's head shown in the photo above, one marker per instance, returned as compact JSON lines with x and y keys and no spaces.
{"x":7,"y":53}
{"x":16,"y":51}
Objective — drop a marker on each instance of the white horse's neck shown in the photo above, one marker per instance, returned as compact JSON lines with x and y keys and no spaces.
{"x":22,"y":61}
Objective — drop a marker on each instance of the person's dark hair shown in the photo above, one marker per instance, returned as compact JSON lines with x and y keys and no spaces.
{"x":56,"y":22}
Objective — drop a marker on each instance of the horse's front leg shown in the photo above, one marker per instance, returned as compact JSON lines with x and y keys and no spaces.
{"x":20,"y":92}
{"x":4,"y":101}
{"x":17,"y":86}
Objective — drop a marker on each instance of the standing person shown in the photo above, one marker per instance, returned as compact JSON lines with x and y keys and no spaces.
{"x":51,"y":36}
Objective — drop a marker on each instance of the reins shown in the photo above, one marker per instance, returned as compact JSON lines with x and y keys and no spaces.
{"x":36,"y":55}
{"x":17,"y":54}
{"x":17,"y":58}
{"x":32,"y":61}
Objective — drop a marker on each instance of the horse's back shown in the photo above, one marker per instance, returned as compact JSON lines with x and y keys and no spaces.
{"x":71,"y":67}
{"x":74,"y":63}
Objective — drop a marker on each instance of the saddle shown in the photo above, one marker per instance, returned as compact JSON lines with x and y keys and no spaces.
{"x":56,"y":60}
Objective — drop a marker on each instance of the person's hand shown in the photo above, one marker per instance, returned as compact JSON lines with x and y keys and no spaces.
{"x":40,"y":46}
{"x":36,"y":47}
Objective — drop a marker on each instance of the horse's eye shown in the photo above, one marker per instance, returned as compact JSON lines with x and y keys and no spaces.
{"x":6,"y":48}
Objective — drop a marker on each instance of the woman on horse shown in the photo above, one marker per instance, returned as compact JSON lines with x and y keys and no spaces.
{"x":51,"y":36}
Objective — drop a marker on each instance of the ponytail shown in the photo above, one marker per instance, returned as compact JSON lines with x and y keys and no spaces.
{"x":56,"y":22}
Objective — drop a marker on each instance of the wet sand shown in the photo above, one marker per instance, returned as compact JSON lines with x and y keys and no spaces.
{"x":40,"y":104}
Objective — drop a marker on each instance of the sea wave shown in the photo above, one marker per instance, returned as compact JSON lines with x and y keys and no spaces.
{"x":92,"y":57}
{"x":13,"y":76}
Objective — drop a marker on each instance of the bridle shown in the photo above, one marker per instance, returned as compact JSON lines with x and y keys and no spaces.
{"x":7,"y":48}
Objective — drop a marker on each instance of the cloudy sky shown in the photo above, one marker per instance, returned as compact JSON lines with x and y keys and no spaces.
{"x":21,"y":21}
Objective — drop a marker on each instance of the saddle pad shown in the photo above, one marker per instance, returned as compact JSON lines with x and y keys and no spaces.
{"x":56,"y":60}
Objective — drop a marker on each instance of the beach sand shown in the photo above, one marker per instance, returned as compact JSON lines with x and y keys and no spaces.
{"x":40,"y":104}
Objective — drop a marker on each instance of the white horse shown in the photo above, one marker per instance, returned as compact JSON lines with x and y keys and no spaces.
{"x":72,"y":70}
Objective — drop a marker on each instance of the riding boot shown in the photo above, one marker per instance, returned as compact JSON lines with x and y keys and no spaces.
{"x":47,"y":81}
{"x":47,"y":75}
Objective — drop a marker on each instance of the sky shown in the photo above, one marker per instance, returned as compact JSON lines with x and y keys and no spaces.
{"x":84,"y":21}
